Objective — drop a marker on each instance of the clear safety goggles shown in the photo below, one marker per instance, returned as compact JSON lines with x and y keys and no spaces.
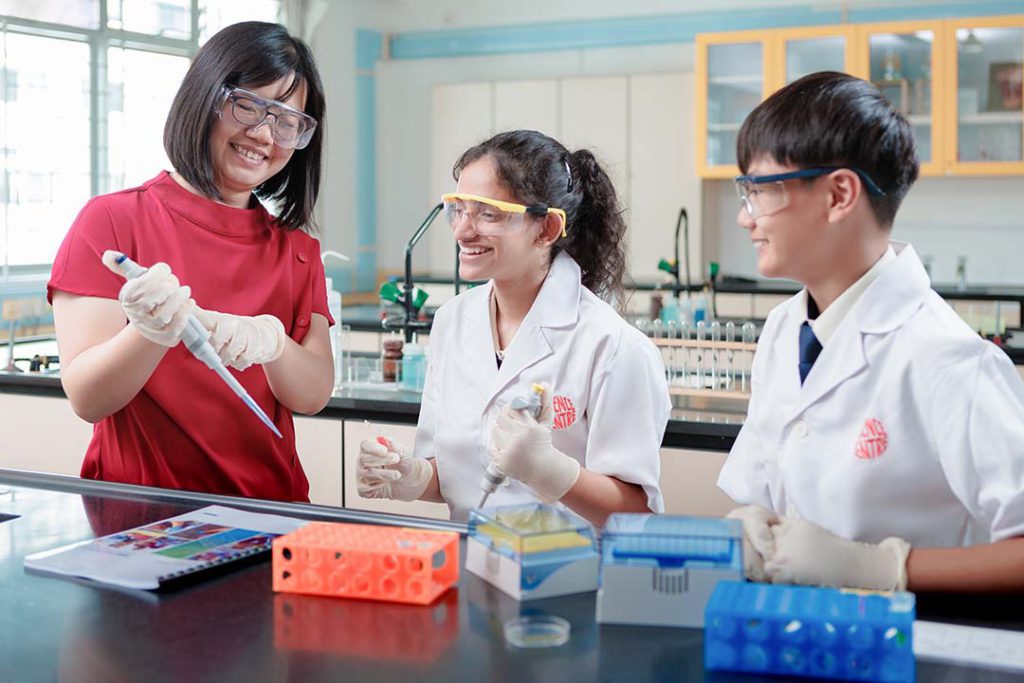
{"x":763,"y":195}
{"x":290,"y":127}
{"x":492,"y":216}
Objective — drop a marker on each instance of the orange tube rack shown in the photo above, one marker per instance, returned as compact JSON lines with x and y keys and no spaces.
{"x":369,"y":562}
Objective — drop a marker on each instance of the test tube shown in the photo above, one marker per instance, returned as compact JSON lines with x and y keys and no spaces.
{"x":730,"y":355}
{"x":748,"y":333}
{"x":716,"y":339}
{"x":670,"y":353}
{"x":701,"y":352}
{"x":684,"y":353}
{"x":656,"y":336}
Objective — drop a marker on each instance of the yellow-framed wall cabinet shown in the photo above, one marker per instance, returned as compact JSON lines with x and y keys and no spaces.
{"x":958,"y":82}
{"x":985,"y":131}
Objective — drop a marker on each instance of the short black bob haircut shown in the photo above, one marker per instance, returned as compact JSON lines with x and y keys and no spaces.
{"x":834,"y":119}
{"x":248,"y":54}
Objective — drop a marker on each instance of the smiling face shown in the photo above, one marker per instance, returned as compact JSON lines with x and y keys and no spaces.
{"x":794,"y":242}
{"x":507,"y":257}
{"x":244,"y":157}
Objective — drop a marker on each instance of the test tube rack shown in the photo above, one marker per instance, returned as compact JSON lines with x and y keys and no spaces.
{"x":393,"y":564}
{"x":706,"y":371}
{"x":797,"y":631}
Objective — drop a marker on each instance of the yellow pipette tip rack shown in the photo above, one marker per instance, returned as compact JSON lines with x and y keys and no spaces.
{"x":532,"y":550}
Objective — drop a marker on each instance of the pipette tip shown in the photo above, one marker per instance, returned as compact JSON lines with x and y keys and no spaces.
{"x":261,"y":415}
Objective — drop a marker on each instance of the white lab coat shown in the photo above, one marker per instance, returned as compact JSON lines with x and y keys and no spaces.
{"x":608,"y":383}
{"x":909,"y":424}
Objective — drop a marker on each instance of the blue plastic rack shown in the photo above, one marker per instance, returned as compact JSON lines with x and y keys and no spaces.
{"x":820,"y":632}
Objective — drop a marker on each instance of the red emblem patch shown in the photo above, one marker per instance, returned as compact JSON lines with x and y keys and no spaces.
{"x":873,"y":440}
{"x":565,"y":412}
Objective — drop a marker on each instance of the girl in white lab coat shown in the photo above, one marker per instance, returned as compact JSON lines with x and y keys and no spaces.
{"x":884,"y":442}
{"x":543,"y":226}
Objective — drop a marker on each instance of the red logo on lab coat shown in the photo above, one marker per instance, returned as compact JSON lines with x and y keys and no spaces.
{"x":873,"y":440}
{"x":565,"y":412}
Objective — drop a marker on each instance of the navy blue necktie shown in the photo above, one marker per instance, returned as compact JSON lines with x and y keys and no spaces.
{"x":810,"y":349}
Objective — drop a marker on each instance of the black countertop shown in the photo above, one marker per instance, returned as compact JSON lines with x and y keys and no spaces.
{"x":233,"y":627}
{"x":710,"y":428}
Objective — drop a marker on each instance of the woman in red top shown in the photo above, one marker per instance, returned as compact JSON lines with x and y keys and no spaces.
{"x":246,"y":125}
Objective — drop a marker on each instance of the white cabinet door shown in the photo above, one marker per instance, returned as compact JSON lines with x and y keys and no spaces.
{"x":594,"y":115}
{"x":355,"y":432}
{"x":662,"y":173}
{"x":689,"y":483}
{"x":318,"y":442}
{"x":42,"y":434}
{"x":463,"y":115}
{"x":530,"y":105}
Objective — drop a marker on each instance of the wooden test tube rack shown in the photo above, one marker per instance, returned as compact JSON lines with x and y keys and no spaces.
{"x":720,"y":346}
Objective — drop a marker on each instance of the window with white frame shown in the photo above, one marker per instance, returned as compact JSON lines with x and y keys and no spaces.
{"x":85,"y":86}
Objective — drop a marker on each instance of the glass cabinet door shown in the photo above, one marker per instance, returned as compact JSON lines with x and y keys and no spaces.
{"x":900,"y":64}
{"x":819,"y":53}
{"x":988,"y":104}
{"x":735,"y":85}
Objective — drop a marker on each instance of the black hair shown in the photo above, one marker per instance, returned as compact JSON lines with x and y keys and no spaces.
{"x":539,"y":170}
{"x":251,"y":53}
{"x":834,"y":119}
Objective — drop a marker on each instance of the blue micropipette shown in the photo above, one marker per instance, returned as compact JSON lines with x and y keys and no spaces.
{"x":196,"y":339}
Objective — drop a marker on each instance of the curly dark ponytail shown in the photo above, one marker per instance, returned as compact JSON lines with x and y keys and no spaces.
{"x":539,"y":170}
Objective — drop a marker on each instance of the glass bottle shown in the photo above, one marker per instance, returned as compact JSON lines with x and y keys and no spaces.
{"x":961,"y":273}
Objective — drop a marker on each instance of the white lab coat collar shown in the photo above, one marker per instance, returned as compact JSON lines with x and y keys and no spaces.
{"x":902,"y":286}
{"x":826,"y":323}
{"x":557,"y":305}
{"x":894,"y":296}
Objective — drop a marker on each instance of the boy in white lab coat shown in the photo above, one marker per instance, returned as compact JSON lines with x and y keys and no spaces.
{"x":884,"y":444}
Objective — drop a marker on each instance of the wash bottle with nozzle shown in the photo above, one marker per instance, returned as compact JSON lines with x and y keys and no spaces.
{"x":334,"y":307}
{"x":196,"y":338}
{"x":493,"y":477}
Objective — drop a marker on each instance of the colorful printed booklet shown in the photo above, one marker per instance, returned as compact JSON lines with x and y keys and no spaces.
{"x":150,"y":556}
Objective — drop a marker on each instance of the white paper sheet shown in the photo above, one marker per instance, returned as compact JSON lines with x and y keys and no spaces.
{"x":986,"y":647}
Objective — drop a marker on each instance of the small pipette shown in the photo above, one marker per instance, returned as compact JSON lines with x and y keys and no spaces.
{"x":196,"y":339}
{"x":493,"y":476}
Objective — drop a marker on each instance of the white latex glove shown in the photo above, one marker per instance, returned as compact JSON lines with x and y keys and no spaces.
{"x":809,"y":555}
{"x":758,"y":541}
{"x":155,"y":303}
{"x":242,"y":340}
{"x":521,"y":448}
{"x":386,"y":470}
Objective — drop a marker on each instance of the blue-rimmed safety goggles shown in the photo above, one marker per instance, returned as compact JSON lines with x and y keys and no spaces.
{"x":763,"y":195}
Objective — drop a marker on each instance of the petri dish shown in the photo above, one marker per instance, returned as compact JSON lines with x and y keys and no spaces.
{"x":537,"y":631}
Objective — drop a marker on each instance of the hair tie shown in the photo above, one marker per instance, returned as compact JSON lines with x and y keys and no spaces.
{"x":568,"y":186}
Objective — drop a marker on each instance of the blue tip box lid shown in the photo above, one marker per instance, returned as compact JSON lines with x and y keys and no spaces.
{"x":672,"y":541}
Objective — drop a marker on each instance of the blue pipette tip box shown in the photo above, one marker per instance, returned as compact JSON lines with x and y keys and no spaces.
{"x":797,"y":631}
{"x":660,"y":570}
{"x":532,"y":550}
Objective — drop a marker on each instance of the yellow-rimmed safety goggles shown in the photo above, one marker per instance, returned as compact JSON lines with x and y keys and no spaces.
{"x":492,"y":216}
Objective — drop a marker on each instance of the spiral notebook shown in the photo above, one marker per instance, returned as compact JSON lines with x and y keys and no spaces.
{"x":155,"y":555}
